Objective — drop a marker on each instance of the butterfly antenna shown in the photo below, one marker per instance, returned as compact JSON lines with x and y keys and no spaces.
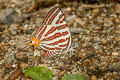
{"x":26,"y":44}
{"x":25,"y":47}
{"x":27,"y":41}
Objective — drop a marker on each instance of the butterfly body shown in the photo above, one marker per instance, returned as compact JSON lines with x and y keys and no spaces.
{"x":53,"y":35}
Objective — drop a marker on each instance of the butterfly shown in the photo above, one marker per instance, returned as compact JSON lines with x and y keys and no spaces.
{"x":53,"y":34}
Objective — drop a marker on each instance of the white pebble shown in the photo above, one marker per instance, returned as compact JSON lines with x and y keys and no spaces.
{"x":115,"y":53}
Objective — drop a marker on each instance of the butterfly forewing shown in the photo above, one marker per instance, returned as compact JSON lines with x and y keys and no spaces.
{"x":54,"y":34}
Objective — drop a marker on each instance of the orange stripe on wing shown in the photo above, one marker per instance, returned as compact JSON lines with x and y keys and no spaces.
{"x":48,"y":48}
{"x":59,"y":20}
{"x":49,"y":54}
{"x":48,"y":15}
{"x":38,"y":30}
{"x":53,"y":16}
{"x":40,"y":34}
{"x":55,"y":43}
{"x":56,"y":35}
{"x":67,"y":42}
{"x":61,"y":27}
{"x":64,"y":33}
{"x":62,"y":20}
{"x":50,"y":31}
{"x":61,"y":16}
{"x":63,"y":45}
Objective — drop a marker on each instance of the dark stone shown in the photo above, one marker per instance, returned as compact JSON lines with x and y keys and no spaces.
{"x":10,"y":16}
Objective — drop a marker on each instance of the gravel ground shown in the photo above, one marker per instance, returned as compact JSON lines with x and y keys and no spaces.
{"x":95,"y":30}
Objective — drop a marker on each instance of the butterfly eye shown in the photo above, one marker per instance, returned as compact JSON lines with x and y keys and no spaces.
{"x":33,"y":42}
{"x":30,"y":41}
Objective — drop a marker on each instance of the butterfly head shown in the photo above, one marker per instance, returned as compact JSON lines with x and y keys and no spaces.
{"x":35,"y":42}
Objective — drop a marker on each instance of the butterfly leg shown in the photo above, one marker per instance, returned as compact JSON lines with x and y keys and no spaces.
{"x":72,"y":49}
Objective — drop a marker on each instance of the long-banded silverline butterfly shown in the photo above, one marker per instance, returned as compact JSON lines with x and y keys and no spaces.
{"x":53,"y":34}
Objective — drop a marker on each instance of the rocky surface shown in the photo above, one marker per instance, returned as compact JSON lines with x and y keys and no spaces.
{"x":94,"y":28}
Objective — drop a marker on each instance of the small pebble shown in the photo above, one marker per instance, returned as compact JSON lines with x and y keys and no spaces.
{"x":115,"y":53}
